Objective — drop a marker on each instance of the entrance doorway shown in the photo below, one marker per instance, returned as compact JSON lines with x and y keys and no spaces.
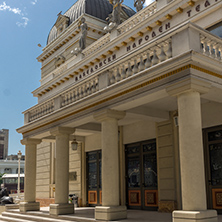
{"x":141,"y":175}
{"x":94,"y":181}
{"x":213,"y":158}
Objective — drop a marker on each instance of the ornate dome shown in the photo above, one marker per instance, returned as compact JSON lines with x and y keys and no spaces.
{"x":97,"y":8}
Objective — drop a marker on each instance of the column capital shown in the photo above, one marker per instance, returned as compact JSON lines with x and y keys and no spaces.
{"x":188,"y":85}
{"x":30,"y":141}
{"x":107,"y":114}
{"x":61,"y":130}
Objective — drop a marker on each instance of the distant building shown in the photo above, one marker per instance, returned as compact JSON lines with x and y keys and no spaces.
{"x":4,"y":143}
{"x":14,"y":157}
{"x":11,"y":166}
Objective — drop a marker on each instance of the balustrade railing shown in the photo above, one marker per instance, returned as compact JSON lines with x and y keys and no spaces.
{"x":85,"y":89}
{"x":150,"y":57}
{"x":137,"y":18}
{"x":211,"y":46}
{"x":97,"y":45}
{"x":136,"y":62}
{"x":41,"y":110}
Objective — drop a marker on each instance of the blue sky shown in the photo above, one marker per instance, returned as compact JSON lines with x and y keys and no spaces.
{"x":24,"y":24}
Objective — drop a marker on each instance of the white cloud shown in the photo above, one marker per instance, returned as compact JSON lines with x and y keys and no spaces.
{"x":34,"y":2}
{"x":24,"y":23}
{"x":147,"y":2}
{"x":5,"y":7}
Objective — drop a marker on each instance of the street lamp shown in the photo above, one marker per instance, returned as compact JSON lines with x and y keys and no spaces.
{"x":19,"y":158}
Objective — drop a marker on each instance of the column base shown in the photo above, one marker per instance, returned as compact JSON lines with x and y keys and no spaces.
{"x":194,"y":216}
{"x":29,"y":206}
{"x":59,"y":209}
{"x":110,"y":212}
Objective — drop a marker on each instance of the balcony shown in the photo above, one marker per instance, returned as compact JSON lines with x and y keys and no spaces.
{"x":153,"y":64}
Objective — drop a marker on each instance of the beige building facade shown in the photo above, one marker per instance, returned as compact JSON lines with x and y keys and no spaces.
{"x":144,"y":103}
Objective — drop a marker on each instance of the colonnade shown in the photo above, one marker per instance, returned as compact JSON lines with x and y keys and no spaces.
{"x":194,"y":206}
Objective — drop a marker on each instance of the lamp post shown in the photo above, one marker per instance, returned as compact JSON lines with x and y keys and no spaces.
{"x":19,"y":158}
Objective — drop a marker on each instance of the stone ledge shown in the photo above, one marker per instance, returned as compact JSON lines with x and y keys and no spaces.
{"x":193,"y":216}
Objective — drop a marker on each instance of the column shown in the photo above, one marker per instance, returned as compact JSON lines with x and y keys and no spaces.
{"x":110,"y":209}
{"x":30,"y":203}
{"x":61,"y":205}
{"x":194,"y":201}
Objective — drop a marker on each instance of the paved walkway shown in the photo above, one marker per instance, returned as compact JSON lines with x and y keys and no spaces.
{"x":132,"y":215}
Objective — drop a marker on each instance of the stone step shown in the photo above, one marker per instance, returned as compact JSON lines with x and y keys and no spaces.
{"x":12,"y":219}
{"x":12,"y":216}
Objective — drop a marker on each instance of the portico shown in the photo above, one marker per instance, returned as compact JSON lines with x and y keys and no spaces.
{"x":137,"y":101}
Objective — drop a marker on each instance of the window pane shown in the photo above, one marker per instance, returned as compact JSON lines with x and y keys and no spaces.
{"x":150,"y":170}
{"x":92,"y":175}
{"x":215,"y":163}
{"x":133,"y":172}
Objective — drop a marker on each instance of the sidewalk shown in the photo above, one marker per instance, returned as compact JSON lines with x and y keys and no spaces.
{"x":132,"y":215}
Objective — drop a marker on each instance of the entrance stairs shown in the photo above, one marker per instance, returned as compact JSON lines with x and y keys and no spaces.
{"x":16,"y":216}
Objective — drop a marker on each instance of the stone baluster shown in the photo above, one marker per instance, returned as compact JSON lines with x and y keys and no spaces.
{"x":162,"y":56}
{"x":129,"y":70}
{"x":155,"y":58}
{"x":79,"y":93}
{"x":141,"y":65}
{"x":94,"y":86}
{"x":148,"y":61}
{"x":206,"y":49}
{"x":217,"y":52}
{"x":123,"y":72}
{"x":118,"y":76}
{"x":169,"y":51}
{"x":112,"y":78}
{"x":212,"y":51}
{"x":82,"y":91}
{"x":97,"y":84}
{"x":135,"y":67}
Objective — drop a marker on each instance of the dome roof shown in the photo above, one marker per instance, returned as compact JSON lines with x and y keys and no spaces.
{"x":97,"y":8}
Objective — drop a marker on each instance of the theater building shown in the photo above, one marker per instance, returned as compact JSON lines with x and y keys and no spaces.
{"x":144,"y":103}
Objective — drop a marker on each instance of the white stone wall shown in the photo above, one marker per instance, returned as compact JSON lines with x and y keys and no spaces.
{"x":75,"y":167}
{"x":140,"y":131}
{"x":211,"y":114}
{"x":93,"y":142}
{"x":43,"y":170}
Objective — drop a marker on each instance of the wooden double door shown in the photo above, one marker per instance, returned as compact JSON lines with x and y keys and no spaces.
{"x":141,"y":175}
{"x":213,"y":166}
{"x":94,"y":179}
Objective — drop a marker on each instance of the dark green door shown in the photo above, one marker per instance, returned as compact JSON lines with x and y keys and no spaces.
{"x":141,"y":175}
{"x":94,"y":182}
